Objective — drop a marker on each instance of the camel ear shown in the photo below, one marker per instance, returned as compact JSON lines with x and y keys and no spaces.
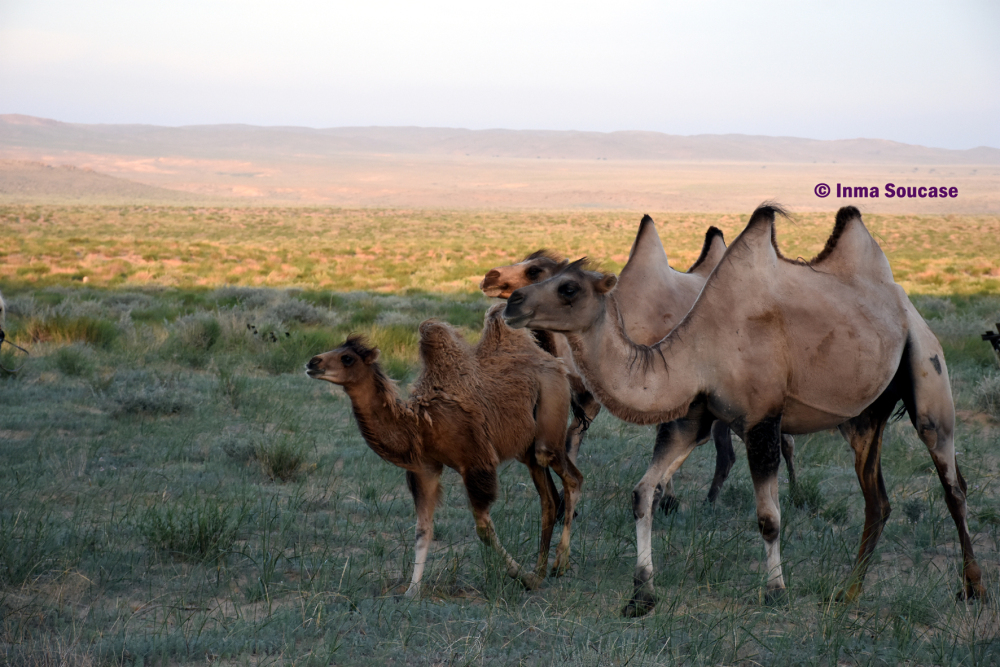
{"x":606,"y":283}
{"x":371,"y":357}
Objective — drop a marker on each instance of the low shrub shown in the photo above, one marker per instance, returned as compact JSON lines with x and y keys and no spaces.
{"x":200,"y":529}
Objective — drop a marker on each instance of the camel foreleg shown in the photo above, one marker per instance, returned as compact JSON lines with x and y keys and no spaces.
{"x":764,"y":456}
{"x":424,"y":486}
{"x":725,"y":457}
{"x":674,"y":443}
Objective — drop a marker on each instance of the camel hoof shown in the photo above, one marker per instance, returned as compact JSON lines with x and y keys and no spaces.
{"x":972,"y":592}
{"x":642,"y":603}
{"x":850,"y":594}
{"x":412,"y":592}
{"x":669,"y":504}
{"x":531,"y":581}
{"x":776,"y":597}
{"x":559,"y":568}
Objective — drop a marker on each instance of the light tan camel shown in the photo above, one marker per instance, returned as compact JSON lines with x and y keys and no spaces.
{"x":470,"y":410}
{"x":653,"y":298}
{"x":771,"y":345}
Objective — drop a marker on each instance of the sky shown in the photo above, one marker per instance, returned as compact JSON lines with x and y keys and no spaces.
{"x":917,"y":72}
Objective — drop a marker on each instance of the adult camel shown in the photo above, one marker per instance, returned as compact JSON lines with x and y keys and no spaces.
{"x":653,"y":297}
{"x":772,"y":345}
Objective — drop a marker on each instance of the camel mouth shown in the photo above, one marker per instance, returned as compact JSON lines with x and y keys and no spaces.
{"x":494,"y":291}
{"x":516,"y":320}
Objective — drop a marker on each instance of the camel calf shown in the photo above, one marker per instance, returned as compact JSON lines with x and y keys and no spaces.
{"x":471,"y":409}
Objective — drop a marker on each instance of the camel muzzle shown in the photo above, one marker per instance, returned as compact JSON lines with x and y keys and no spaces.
{"x":313,"y":369}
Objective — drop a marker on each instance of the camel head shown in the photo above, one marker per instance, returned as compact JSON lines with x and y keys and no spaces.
{"x":344,"y":365}
{"x":536,"y":267}
{"x":570,"y":301}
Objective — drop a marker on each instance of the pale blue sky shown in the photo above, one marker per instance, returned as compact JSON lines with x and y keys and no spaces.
{"x":916,"y":72}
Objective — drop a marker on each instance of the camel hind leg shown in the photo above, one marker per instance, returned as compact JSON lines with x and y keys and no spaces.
{"x":481,"y":485}
{"x":725,"y":457}
{"x":864,"y":432}
{"x":932,"y":410}
{"x":547,"y":497}
{"x":763,"y":454}
{"x":550,"y":433}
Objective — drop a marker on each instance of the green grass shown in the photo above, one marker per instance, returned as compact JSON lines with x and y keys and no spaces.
{"x":176,"y":491}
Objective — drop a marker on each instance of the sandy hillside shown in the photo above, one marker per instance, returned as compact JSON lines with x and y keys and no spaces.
{"x":451,"y":168}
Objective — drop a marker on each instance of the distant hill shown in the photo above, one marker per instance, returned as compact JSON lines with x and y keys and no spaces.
{"x":23,"y":180}
{"x":246,"y":142}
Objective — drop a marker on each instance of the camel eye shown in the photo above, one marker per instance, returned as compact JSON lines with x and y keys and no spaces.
{"x":347,"y":360}
{"x":568,"y":290}
{"x":534,"y":272}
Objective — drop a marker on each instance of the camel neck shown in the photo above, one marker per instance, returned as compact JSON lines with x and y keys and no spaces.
{"x":385,"y":421}
{"x":637,"y":383}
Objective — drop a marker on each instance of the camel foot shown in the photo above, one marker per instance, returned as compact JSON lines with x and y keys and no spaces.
{"x":530,"y":581}
{"x":560,"y":567}
{"x":713,"y":495}
{"x":849,"y":594}
{"x":412,"y":592}
{"x":776,"y":597}
{"x":972,"y":592}
{"x":669,"y":504}
{"x":642,"y":603}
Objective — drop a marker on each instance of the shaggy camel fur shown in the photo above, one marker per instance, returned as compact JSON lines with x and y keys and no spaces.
{"x":772,"y":345}
{"x":470,"y":410}
{"x":653,"y":299}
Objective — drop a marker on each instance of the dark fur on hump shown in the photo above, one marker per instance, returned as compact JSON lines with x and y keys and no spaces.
{"x":767,"y":211}
{"x":706,"y":246}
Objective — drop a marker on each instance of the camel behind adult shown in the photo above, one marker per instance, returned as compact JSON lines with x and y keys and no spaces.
{"x":653,"y":298}
{"x":771,"y":345}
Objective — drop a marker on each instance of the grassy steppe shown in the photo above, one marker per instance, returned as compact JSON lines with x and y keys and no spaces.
{"x":175,"y":491}
{"x":439,"y":251}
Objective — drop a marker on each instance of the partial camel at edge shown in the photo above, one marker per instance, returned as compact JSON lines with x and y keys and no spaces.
{"x":653,"y":298}
{"x":470,"y":409}
{"x":772,"y":345}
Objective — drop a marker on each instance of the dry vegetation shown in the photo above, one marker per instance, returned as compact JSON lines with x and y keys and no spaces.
{"x":176,"y":491}
{"x":437,"y":251}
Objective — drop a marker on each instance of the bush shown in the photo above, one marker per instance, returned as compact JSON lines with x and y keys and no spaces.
{"x":199,"y":529}
{"x":74,"y":361}
{"x":281,"y":458}
{"x":987,"y":394}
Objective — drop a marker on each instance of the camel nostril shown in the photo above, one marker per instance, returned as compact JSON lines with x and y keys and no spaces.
{"x":515,"y":298}
{"x":492,"y":275}
{"x":313,"y":363}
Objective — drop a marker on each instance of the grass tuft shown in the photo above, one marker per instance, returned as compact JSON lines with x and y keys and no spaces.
{"x":199,"y":529}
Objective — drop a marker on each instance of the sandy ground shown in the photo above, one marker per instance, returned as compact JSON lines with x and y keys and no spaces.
{"x":367,"y":180}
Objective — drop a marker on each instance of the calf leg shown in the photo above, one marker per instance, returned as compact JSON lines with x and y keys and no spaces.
{"x":481,"y":485}
{"x":424,"y":486}
{"x":674,"y":443}
{"x":550,"y":430}
{"x":547,"y":496}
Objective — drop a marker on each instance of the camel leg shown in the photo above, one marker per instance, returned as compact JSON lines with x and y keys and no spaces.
{"x":550,"y":429}
{"x":481,"y":485}
{"x":788,"y":453}
{"x":933,"y":415}
{"x":864,"y":432}
{"x":725,"y":457}
{"x":424,"y":486}
{"x":674,"y":443}
{"x":763,"y":454}
{"x":547,"y":496}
